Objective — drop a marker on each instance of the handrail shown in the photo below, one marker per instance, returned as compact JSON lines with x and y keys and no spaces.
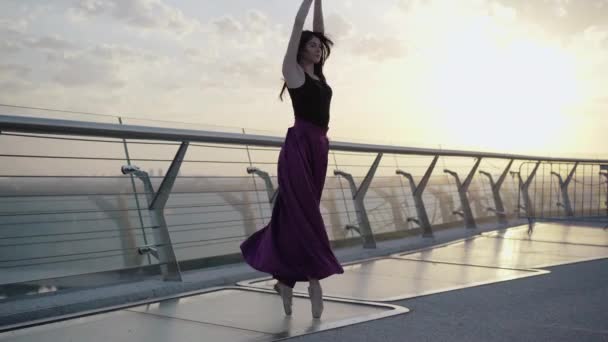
{"x":36,"y":255}
{"x":84,"y":128}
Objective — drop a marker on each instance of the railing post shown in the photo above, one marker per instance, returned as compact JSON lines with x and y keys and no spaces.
{"x":423,"y":219}
{"x":364,"y":227}
{"x":563,"y":186}
{"x":605,"y":174}
{"x":463,"y":187}
{"x":162,"y":248}
{"x":524,"y":187}
{"x":499,"y":206}
{"x":272,"y":193}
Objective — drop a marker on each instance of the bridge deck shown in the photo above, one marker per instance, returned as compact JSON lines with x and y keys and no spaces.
{"x":519,"y":302}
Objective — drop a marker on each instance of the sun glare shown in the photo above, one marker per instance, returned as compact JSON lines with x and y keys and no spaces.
{"x":516,"y":84}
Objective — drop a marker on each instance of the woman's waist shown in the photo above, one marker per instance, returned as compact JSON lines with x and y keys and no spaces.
{"x":309,"y":126}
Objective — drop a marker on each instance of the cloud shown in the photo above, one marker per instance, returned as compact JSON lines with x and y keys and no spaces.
{"x":193,"y":52}
{"x":13,"y":71}
{"x":13,"y":79}
{"x":254,"y":26}
{"x":243,"y":50}
{"x":407,"y":5}
{"x":92,"y":7}
{"x":82,"y":72}
{"x":122,"y":54}
{"x":12,"y":33}
{"x":199,"y":57}
{"x":596,"y":37}
{"x":256,"y":21}
{"x":100,"y":66}
{"x":14,"y":36}
{"x":257,"y":71}
{"x":248,"y":50}
{"x":9,"y":47}
{"x":252,"y":34}
{"x":9,"y":25}
{"x":500,"y":11}
{"x":379,"y":49}
{"x":556,"y":17}
{"x":338,"y":27}
{"x":561,"y":17}
{"x":227,"y":26}
{"x":246,"y":58}
{"x":15,"y":87}
{"x":51,"y":43}
{"x":142,"y":14}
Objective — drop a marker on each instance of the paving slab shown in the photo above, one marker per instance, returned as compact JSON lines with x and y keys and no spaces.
{"x":390,"y":279}
{"x":552,"y":232}
{"x":517,"y":252}
{"x":220,"y":314}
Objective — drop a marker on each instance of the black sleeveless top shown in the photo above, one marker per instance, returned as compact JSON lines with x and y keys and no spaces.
{"x":311,"y":101}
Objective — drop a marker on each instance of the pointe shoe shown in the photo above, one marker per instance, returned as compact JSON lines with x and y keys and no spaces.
{"x":316,"y":299}
{"x":286,"y":294}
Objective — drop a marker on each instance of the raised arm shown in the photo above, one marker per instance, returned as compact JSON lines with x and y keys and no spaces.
{"x":317,"y":23}
{"x":292,"y":72}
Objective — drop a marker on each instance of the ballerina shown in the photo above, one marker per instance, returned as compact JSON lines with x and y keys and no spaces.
{"x":294,"y":246}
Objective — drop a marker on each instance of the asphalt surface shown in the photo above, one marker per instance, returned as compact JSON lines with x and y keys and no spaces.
{"x":568,"y":304}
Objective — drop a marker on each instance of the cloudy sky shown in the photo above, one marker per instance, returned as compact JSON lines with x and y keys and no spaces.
{"x":524,"y":76}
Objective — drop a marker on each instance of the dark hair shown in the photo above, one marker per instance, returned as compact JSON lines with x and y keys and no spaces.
{"x":326,"y":45}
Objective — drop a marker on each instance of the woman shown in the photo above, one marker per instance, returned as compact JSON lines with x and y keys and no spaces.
{"x":294,"y":246}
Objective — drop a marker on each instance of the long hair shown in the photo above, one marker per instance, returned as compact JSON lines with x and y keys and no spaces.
{"x":326,"y":45}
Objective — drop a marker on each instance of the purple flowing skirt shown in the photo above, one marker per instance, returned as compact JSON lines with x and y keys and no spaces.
{"x":294,"y":245}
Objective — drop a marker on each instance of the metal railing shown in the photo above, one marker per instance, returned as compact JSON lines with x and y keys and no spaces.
{"x":75,"y":199}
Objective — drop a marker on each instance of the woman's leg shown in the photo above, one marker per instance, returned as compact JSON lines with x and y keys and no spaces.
{"x":284,"y":288}
{"x":286,"y":281}
{"x":316,"y":297}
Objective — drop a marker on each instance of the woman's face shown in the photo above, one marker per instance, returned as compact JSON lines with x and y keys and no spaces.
{"x":312,"y":51}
